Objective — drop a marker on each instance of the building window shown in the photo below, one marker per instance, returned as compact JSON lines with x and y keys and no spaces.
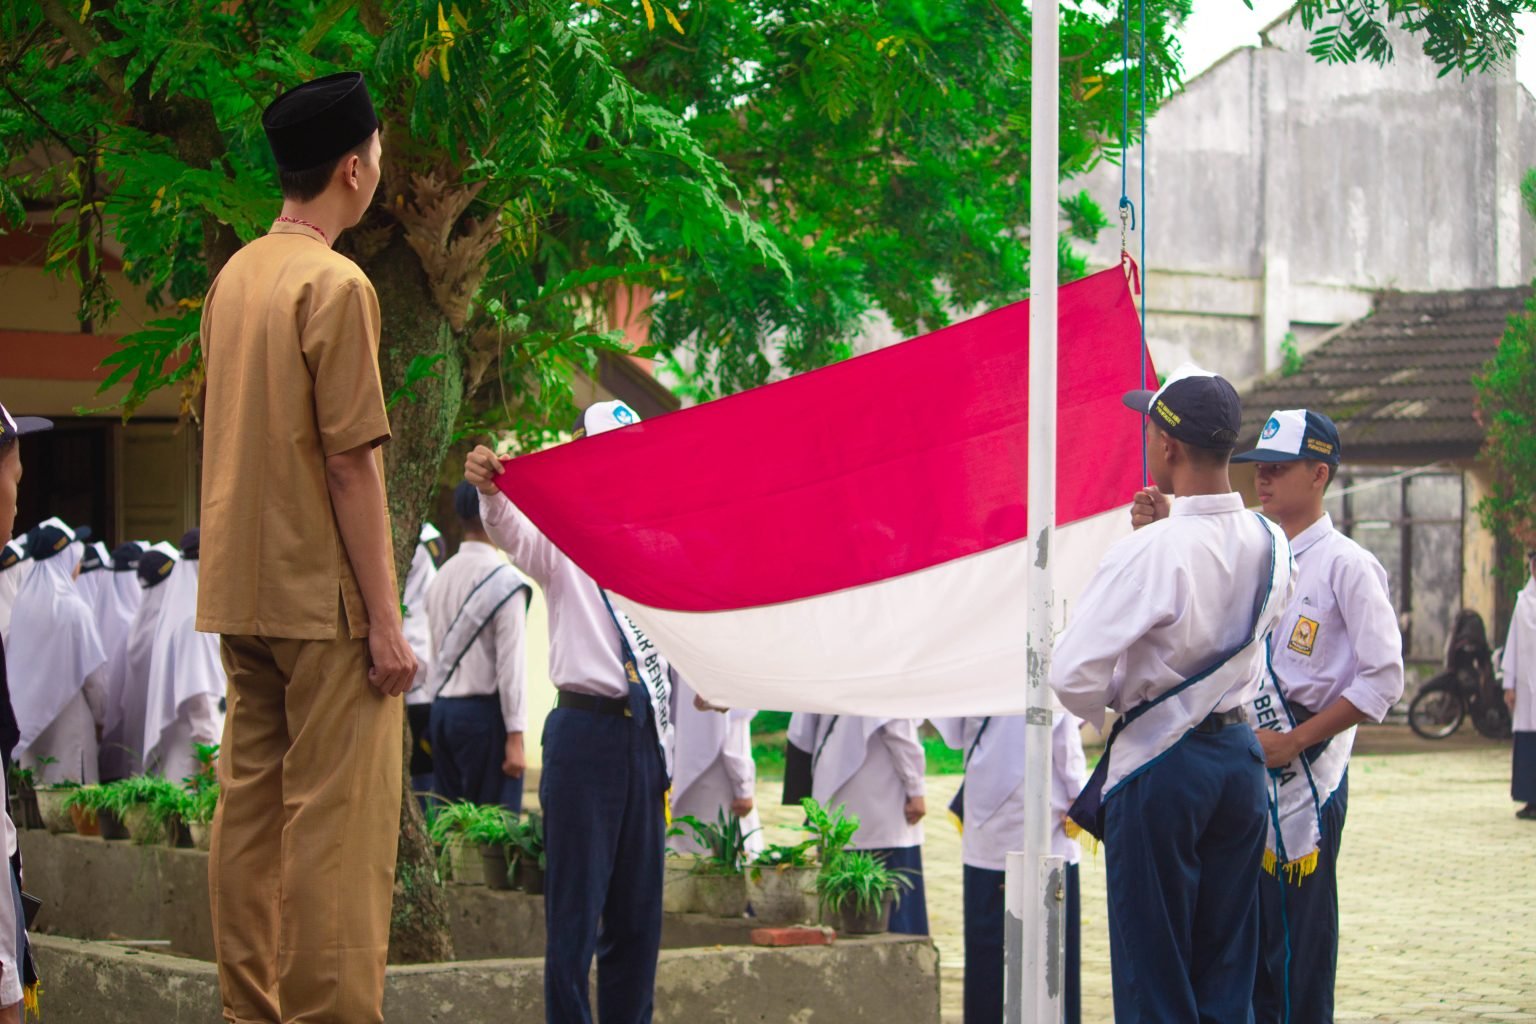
{"x":1412,"y":524}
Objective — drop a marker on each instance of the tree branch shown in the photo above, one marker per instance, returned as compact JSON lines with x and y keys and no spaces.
{"x":85,"y":44}
{"x":323,"y":23}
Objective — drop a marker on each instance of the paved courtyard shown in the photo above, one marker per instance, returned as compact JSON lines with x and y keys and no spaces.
{"x":1437,"y":888}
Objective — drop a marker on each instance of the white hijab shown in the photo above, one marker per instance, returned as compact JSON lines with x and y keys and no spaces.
{"x":128,"y":685}
{"x":701,"y":738}
{"x":117,"y":603}
{"x":11,"y":579}
{"x":91,"y":581}
{"x":183,"y":663}
{"x":416,"y":627}
{"x":838,"y":745}
{"x":54,"y":644}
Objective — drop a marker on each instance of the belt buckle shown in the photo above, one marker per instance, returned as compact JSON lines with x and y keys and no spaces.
{"x":629,"y":712}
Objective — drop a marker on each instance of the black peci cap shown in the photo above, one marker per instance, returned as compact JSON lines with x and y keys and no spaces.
{"x":125,"y":557}
{"x":319,"y":121}
{"x":1194,"y":406}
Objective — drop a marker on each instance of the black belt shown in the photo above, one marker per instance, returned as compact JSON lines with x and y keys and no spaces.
{"x":1219,"y":720}
{"x":616,"y":706}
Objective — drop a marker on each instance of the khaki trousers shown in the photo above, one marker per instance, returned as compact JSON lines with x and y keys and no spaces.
{"x":301,"y":872}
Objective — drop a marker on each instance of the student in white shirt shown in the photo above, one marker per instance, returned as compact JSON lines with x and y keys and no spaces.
{"x":1335,"y":661}
{"x":873,"y":768}
{"x":1169,"y":634}
{"x":56,"y":664}
{"x":477,"y":605}
{"x":990,"y":808}
{"x":1520,"y":694}
{"x":425,"y":562}
{"x":603,"y":784}
{"x":713,"y":770}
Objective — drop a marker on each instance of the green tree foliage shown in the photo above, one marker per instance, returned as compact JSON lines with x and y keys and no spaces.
{"x":1459,"y":35}
{"x":1507,"y":410}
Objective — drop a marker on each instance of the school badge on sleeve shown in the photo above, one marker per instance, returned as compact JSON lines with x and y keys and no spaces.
{"x":1303,"y":636}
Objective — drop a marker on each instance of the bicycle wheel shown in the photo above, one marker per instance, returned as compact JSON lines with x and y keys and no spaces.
{"x":1437,"y":709}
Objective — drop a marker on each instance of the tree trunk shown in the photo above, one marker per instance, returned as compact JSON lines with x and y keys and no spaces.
{"x":421,"y":429}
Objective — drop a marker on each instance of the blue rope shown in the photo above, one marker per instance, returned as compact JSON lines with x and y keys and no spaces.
{"x":1128,"y":208}
{"x":1285,"y":919}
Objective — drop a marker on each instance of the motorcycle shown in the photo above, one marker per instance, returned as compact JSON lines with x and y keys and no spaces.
{"x":1468,"y":688}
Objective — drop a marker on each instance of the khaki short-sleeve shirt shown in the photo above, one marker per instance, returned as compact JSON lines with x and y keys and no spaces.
{"x":290,"y":336}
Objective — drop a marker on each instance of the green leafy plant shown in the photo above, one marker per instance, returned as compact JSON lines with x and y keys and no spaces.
{"x":833,"y":830}
{"x":798,"y":855}
{"x":450,"y":819}
{"x":724,"y":842}
{"x":141,"y":790}
{"x":205,"y":801}
{"x":493,"y":826}
{"x":206,"y":775}
{"x":89,"y":798}
{"x":22,"y":779}
{"x":528,"y":840}
{"x":858,"y":881}
{"x":170,"y":802}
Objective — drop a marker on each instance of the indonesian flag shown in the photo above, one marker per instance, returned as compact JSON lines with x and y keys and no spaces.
{"x":853,"y":540}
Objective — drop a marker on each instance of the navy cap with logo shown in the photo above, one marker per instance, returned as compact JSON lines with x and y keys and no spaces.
{"x":319,"y":121}
{"x":1194,"y":406}
{"x":95,"y":558}
{"x":12,"y":427}
{"x":155,"y":565}
{"x":48,"y":538}
{"x":14,"y":552}
{"x":1291,"y":434}
{"x":191,"y":543}
{"x":125,"y":557}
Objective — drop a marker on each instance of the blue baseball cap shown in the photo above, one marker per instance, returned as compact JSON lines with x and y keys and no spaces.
{"x":1195,"y":406}
{"x":12,"y":427}
{"x":1291,"y":434}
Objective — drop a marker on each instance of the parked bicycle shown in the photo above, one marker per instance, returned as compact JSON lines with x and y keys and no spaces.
{"x":1468,"y":688}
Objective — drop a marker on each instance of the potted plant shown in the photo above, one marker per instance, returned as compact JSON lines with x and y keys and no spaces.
{"x":856,"y":893}
{"x":528,"y":848}
{"x":84,"y":804}
{"x":199,"y":818}
{"x":109,"y":819}
{"x":831,"y":830}
{"x":24,"y":811}
{"x":492,"y":831}
{"x":458,"y":860}
{"x":171,"y":806}
{"x":53,"y":807}
{"x":134,"y":802}
{"x":782,"y":881}
{"x":720,"y":881}
{"x":677,"y":890}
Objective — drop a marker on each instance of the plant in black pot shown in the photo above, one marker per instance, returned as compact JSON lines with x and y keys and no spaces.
{"x":172,"y":807}
{"x":199,"y":818}
{"x":492,"y":831}
{"x":720,"y":880}
{"x":528,"y":853}
{"x":857,"y":891}
{"x":23,"y":788}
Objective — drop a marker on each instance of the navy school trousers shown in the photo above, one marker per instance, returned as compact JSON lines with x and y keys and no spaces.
{"x":1299,"y":921}
{"x":1183,"y":845}
{"x":469,"y":741}
{"x":984,"y":915}
{"x":602,"y":788}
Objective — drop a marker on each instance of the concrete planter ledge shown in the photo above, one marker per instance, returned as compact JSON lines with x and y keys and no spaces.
{"x":875,"y":980}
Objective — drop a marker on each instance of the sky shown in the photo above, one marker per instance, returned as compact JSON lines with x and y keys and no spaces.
{"x":1218,"y":26}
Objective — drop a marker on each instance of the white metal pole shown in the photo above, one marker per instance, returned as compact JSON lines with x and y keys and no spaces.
{"x":1033,"y":974}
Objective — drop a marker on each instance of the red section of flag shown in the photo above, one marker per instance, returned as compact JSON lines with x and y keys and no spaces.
{"x":873,"y":468}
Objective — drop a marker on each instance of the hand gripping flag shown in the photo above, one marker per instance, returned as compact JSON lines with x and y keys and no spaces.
{"x":853,"y":540}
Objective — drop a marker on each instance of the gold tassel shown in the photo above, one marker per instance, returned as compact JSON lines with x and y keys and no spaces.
{"x":958,"y":822}
{"x":1295,"y":870}
{"x":666,"y":805}
{"x":29,"y":1000}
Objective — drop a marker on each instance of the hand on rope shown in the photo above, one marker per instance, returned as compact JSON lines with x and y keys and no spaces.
{"x":1149,"y":505}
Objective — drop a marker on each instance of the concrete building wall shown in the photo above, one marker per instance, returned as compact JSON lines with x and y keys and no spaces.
{"x":1283,"y":192}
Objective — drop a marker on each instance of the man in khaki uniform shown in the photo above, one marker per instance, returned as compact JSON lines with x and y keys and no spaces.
{"x":298,"y":578}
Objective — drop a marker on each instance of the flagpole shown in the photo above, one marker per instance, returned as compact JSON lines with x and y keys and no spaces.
{"x":1034,"y":927}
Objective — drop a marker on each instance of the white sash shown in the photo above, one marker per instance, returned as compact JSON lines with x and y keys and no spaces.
{"x":645,"y":666}
{"x":498,"y":587}
{"x":1153,"y":729}
{"x":1297,"y":790}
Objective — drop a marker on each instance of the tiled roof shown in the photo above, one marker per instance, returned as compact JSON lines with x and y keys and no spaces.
{"x":1398,"y":382}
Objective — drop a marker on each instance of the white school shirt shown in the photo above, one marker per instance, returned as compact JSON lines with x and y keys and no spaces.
{"x":416,"y":627}
{"x":10,"y":956}
{"x":1519,"y":662}
{"x":1167,"y":602}
{"x":1338,"y":636}
{"x":870,"y":767}
{"x":998,"y":763}
{"x":584,"y":651}
{"x":496,"y":663}
{"x":712,"y":767}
